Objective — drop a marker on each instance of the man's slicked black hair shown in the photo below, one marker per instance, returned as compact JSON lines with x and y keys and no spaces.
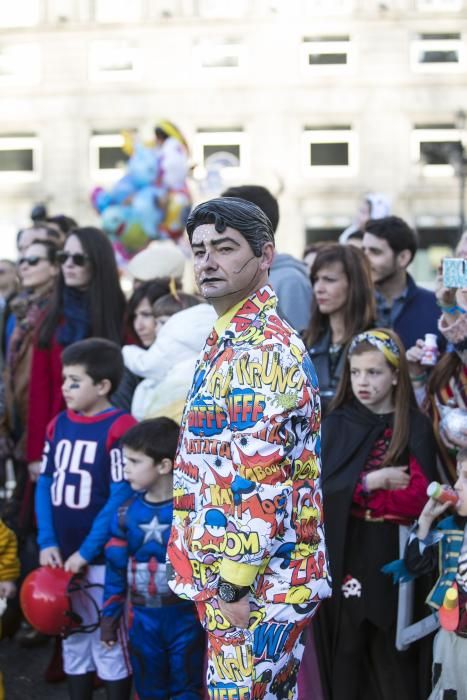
{"x":396,"y":232}
{"x":101,"y":359}
{"x":239,"y":214}
{"x":156,"y":438}
{"x":260,"y":196}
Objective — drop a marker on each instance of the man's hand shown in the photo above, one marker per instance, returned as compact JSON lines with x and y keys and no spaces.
{"x":75,"y":563}
{"x":238,"y":614}
{"x":7,"y":589}
{"x":50,"y":556}
{"x":34,"y":469}
{"x":388,"y":478}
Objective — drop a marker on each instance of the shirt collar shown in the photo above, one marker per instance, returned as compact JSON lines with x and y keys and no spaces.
{"x":224,"y":321}
{"x":381,"y":299}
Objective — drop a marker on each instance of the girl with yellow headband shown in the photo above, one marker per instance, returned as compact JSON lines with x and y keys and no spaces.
{"x":378,"y":458}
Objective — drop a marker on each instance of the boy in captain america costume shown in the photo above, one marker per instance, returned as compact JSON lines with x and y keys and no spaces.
{"x":166,"y":642}
{"x":80,"y":487}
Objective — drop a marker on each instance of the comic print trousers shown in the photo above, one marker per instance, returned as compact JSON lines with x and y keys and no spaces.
{"x":167,"y":647}
{"x":260,"y":662}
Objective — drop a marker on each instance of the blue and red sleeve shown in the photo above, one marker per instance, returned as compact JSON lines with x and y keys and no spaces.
{"x":115,"y":586}
{"x":46,"y":536}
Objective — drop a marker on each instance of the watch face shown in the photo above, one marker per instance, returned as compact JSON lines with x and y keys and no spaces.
{"x":227,"y":593}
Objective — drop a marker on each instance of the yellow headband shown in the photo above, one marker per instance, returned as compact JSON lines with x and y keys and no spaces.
{"x":382,"y":342}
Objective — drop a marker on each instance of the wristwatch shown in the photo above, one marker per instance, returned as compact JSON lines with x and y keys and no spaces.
{"x":230,"y":593}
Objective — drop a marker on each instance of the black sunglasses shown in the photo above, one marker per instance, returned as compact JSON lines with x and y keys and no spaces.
{"x":77,"y":258}
{"x":32,"y":260}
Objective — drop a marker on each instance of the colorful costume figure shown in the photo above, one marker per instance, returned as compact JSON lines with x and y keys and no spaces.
{"x":152,"y":200}
{"x":247,"y":498}
{"x":445,"y":549}
{"x":80,"y":487}
{"x":166,"y":640}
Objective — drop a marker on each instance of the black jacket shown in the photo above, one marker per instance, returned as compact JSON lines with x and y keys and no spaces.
{"x":328,"y":382}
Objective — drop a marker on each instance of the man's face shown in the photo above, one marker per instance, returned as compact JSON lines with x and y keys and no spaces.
{"x":383,"y":260}
{"x":226,"y":269}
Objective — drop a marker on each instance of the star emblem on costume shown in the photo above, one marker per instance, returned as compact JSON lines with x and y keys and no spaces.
{"x":153,"y":530}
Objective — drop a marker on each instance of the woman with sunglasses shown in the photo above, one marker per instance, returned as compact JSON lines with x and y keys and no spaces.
{"x":38,"y":271}
{"x":87,"y":302}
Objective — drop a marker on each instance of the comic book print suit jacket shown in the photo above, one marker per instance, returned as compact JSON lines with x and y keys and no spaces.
{"x":247,"y":495}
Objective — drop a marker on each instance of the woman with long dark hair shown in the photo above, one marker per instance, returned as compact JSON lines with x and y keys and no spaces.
{"x":87,"y":302}
{"x":343,"y":305}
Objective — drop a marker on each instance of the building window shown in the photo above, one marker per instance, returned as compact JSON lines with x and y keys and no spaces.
{"x":222,"y":150}
{"x":325,"y":54}
{"x":329,"y":150}
{"x":19,"y":158}
{"x":435,"y":147}
{"x":117,"y":11}
{"x":106,"y":156}
{"x":312,"y":8}
{"x":21,"y":13}
{"x":114,"y":60}
{"x":439,"y":5}
{"x":222,"y":9}
{"x":20,"y":64}
{"x":223,"y":54}
{"x":437,"y":52}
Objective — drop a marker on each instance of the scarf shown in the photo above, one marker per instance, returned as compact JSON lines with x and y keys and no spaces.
{"x":28,"y":309}
{"x":76,"y":311}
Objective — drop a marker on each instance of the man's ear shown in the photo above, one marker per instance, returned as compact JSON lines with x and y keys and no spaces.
{"x":267,"y":256}
{"x":404,"y":258}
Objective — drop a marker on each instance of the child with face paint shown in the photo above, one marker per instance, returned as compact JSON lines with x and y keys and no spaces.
{"x":80,"y":488}
{"x":375,"y":476}
{"x":443,"y":548}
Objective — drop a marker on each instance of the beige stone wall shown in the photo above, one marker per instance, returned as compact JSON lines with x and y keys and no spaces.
{"x":272,"y":97}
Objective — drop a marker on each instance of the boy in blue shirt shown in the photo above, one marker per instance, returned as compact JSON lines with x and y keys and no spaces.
{"x":80,"y":487}
{"x":166,"y":639}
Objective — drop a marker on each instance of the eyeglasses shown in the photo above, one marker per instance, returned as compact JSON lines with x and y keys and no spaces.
{"x":78,"y":259}
{"x":32,"y":260}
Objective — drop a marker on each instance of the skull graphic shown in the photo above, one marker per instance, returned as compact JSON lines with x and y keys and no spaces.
{"x":351,"y":587}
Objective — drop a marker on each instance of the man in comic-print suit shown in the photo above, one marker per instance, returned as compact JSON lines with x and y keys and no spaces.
{"x":247,"y":541}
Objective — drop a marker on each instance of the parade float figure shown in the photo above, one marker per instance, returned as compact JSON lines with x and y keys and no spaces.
{"x":151,"y":201}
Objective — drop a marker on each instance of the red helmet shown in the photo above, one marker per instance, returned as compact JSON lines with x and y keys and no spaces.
{"x":46,"y":601}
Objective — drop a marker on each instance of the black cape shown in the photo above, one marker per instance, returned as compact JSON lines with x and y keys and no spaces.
{"x":348,"y":436}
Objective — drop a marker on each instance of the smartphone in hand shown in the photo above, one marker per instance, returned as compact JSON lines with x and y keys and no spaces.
{"x":455,"y":273}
